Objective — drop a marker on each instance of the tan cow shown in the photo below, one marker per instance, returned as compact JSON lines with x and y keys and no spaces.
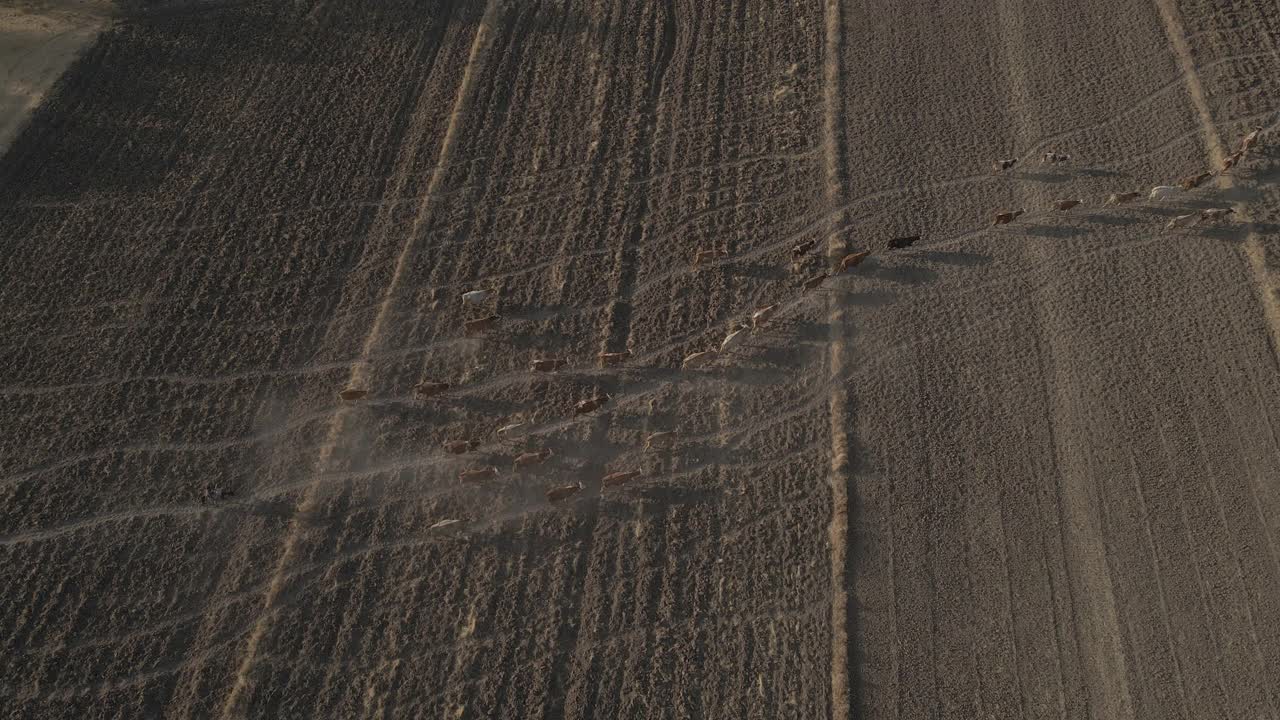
{"x":1123,"y":198}
{"x":853,"y":260}
{"x":734,"y":339}
{"x":1182,"y":221}
{"x":762,"y":315}
{"x":510,"y":428}
{"x":608,"y":359}
{"x":547,"y":364}
{"x":563,"y":492}
{"x":660,"y":440}
{"x":353,"y":394}
{"x":478,"y":474}
{"x":619,"y":478}
{"x":1053,"y":158}
{"x":700,"y":359}
{"x":484,"y":324}
{"x":1064,"y":205}
{"x":1005,"y":218}
{"x":1248,"y":141}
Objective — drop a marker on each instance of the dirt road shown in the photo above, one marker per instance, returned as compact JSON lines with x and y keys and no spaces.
{"x":1026,"y":471}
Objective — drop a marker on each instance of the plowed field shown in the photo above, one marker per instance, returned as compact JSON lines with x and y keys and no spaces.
{"x":1030,"y":470}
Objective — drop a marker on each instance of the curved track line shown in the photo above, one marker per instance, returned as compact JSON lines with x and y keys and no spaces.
{"x":833,"y":161}
{"x":359,"y":370}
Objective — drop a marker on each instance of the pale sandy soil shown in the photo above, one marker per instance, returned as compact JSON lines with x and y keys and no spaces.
{"x":38,"y":40}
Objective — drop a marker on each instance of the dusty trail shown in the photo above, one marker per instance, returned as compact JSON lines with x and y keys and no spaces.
{"x":1268,"y":282}
{"x":359,"y":377}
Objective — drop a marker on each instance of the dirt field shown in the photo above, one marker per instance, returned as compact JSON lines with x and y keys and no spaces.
{"x":1025,"y":471}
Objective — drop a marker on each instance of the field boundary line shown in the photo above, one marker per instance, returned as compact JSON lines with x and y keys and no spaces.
{"x":838,"y":530}
{"x":359,"y":369}
{"x":1255,"y":253}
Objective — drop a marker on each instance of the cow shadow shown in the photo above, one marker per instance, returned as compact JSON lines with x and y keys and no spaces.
{"x":1099,"y":173}
{"x":955,"y":257}
{"x":759,"y":271}
{"x":1041,"y":176}
{"x":1111,"y":219}
{"x":905,"y":274}
{"x":1056,"y":232}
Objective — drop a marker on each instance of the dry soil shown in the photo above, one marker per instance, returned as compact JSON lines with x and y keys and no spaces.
{"x":1025,"y":471}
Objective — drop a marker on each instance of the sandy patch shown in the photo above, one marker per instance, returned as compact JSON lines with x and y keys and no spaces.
{"x":38,"y":40}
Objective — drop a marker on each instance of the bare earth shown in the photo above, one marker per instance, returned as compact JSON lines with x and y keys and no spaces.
{"x":1026,"y":471}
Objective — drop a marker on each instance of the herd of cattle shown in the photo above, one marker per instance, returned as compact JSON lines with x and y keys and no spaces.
{"x":759,"y":318}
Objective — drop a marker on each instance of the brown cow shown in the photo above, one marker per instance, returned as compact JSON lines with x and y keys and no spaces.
{"x":459,"y":447}
{"x":353,"y":394}
{"x":1122,"y":198}
{"x":563,"y":492}
{"x":484,"y":324}
{"x":478,"y":474}
{"x":704,"y":256}
{"x":1192,"y":182}
{"x":1065,"y":205}
{"x":619,"y":478}
{"x":614,"y":358}
{"x":699,"y":359}
{"x":530,"y":459}
{"x":660,"y":440}
{"x":547,"y":364}
{"x":802,"y":249}
{"x":1232,"y":160}
{"x":853,"y":260}
{"x":899,"y":243}
{"x":814,"y":282}
{"x":1005,"y":218}
{"x":595,"y":403}
{"x":429,"y":388}
{"x":762,"y":315}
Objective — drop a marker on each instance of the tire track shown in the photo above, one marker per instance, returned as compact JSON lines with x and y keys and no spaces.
{"x":1084,"y":548}
{"x":834,"y":159}
{"x":359,"y":370}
